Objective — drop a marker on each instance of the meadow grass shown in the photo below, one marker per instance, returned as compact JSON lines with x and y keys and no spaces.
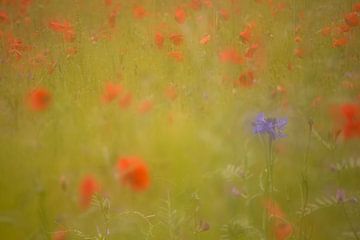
{"x":200,"y":147}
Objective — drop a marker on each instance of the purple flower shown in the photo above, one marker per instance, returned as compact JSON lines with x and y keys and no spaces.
{"x":271,"y":126}
{"x":340,"y":195}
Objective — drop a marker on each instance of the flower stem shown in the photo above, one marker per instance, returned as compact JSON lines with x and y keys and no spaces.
{"x":268,"y":189}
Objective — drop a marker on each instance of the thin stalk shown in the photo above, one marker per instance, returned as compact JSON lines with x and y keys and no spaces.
{"x":304,"y":182}
{"x":268,"y":188}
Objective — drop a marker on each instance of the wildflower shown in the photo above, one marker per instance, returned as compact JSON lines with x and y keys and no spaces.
{"x":39,"y":99}
{"x":177,"y":55}
{"x":352,"y":19}
{"x":203,"y":226}
{"x":88,"y":187}
{"x":250,"y":52}
{"x":356,"y":7}
{"x":139,"y":12}
{"x":205,"y":39}
{"x":280,"y":227}
{"x":65,"y":28}
{"x":340,"y":195}
{"x":111,"y":91}
{"x":271,"y":126}
{"x":224,"y":14}
{"x":230,"y":55}
{"x":4,"y":17}
{"x":133,"y":173}
{"x":326,"y":31}
{"x":195,"y":5}
{"x":339,"y":42}
{"x":59,"y":235}
{"x":145,"y":106}
{"x":246,"y":79}
{"x":171,"y":93}
{"x":125,"y":100}
{"x":177,"y":39}
{"x":299,"y":52}
{"x":349,"y":119}
{"x":180,"y":15}
{"x":246,"y":35}
{"x":159,"y":39}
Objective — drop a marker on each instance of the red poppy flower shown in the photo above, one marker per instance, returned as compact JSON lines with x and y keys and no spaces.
{"x":180,"y":15}
{"x":159,"y":39}
{"x":231,"y":55}
{"x":145,"y":106}
{"x":125,"y":100}
{"x":59,"y":235}
{"x":356,"y":7}
{"x":246,"y":79}
{"x":177,"y":55}
{"x":177,"y":39}
{"x":133,"y":173}
{"x":171,"y":93}
{"x":326,"y":31}
{"x":352,"y":19}
{"x":340,"y":42}
{"x":250,"y":52}
{"x":65,"y":28}
{"x":348,"y":117}
{"x":39,"y":99}
{"x":281,"y":229}
{"x":88,"y":187}
{"x":205,"y":39}
{"x":224,"y":14}
{"x":111,"y":91}
{"x":139,"y":12}
{"x":4,"y":17}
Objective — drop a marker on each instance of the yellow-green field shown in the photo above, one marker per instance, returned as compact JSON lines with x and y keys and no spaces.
{"x":175,"y":89}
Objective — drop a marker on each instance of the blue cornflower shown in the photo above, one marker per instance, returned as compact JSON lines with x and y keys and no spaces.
{"x":271,"y":126}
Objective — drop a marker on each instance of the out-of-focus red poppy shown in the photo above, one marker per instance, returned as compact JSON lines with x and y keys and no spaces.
{"x":88,"y":187}
{"x":246,"y":35}
{"x":326,"y":31}
{"x":224,"y":13}
{"x":356,"y":7}
{"x":59,"y":235}
{"x":145,"y":106}
{"x":280,"y":227}
{"x":348,"y":117}
{"x":125,"y":100}
{"x":171,"y":93}
{"x":352,"y":19}
{"x":205,"y":39}
{"x":230,"y":55}
{"x":133,"y":173}
{"x":39,"y":99}
{"x":177,"y":55}
{"x":340,"y":42}
{"x":195,"y":5}
{"x":176,"y":39}
{"x":252,"y":49}
{"x":180,"y":15}
{"x":65,"y":28}
{"x":245,"y":80}
{"x":299,"y":52}
{"x":4,"y":17}
{"x":139,"y":12}
{"x":159,"y":39}
{"x":111,"y":91}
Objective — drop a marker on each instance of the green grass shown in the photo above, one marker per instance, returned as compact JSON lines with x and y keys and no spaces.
{"x":194,"y":161}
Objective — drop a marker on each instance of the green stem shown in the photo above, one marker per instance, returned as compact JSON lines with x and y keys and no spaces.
{"x":304,"y":182}
{"x":268,"y":189}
